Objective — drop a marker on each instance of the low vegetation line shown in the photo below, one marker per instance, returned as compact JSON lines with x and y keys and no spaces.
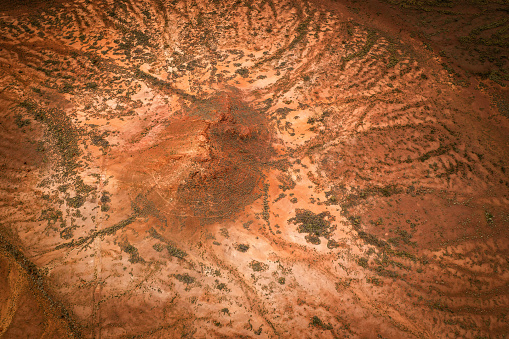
{"x":85,"y":241}
{"x":38,"y":280}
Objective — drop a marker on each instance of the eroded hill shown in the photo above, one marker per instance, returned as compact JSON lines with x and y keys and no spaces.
{"x":251,"y":169}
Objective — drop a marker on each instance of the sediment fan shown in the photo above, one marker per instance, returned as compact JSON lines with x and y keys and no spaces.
{"x":253,"y":169}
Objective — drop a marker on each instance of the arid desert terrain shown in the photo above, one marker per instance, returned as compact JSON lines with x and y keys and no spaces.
{"x":254,"y":169}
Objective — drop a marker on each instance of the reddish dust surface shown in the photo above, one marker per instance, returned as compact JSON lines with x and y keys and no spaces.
{"x":253,"y":169}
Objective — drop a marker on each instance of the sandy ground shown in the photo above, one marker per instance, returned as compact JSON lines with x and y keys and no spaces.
{"x":249,"y":169}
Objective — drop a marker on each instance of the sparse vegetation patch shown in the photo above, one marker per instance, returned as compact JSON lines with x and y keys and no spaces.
{"x":315,"y":225}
